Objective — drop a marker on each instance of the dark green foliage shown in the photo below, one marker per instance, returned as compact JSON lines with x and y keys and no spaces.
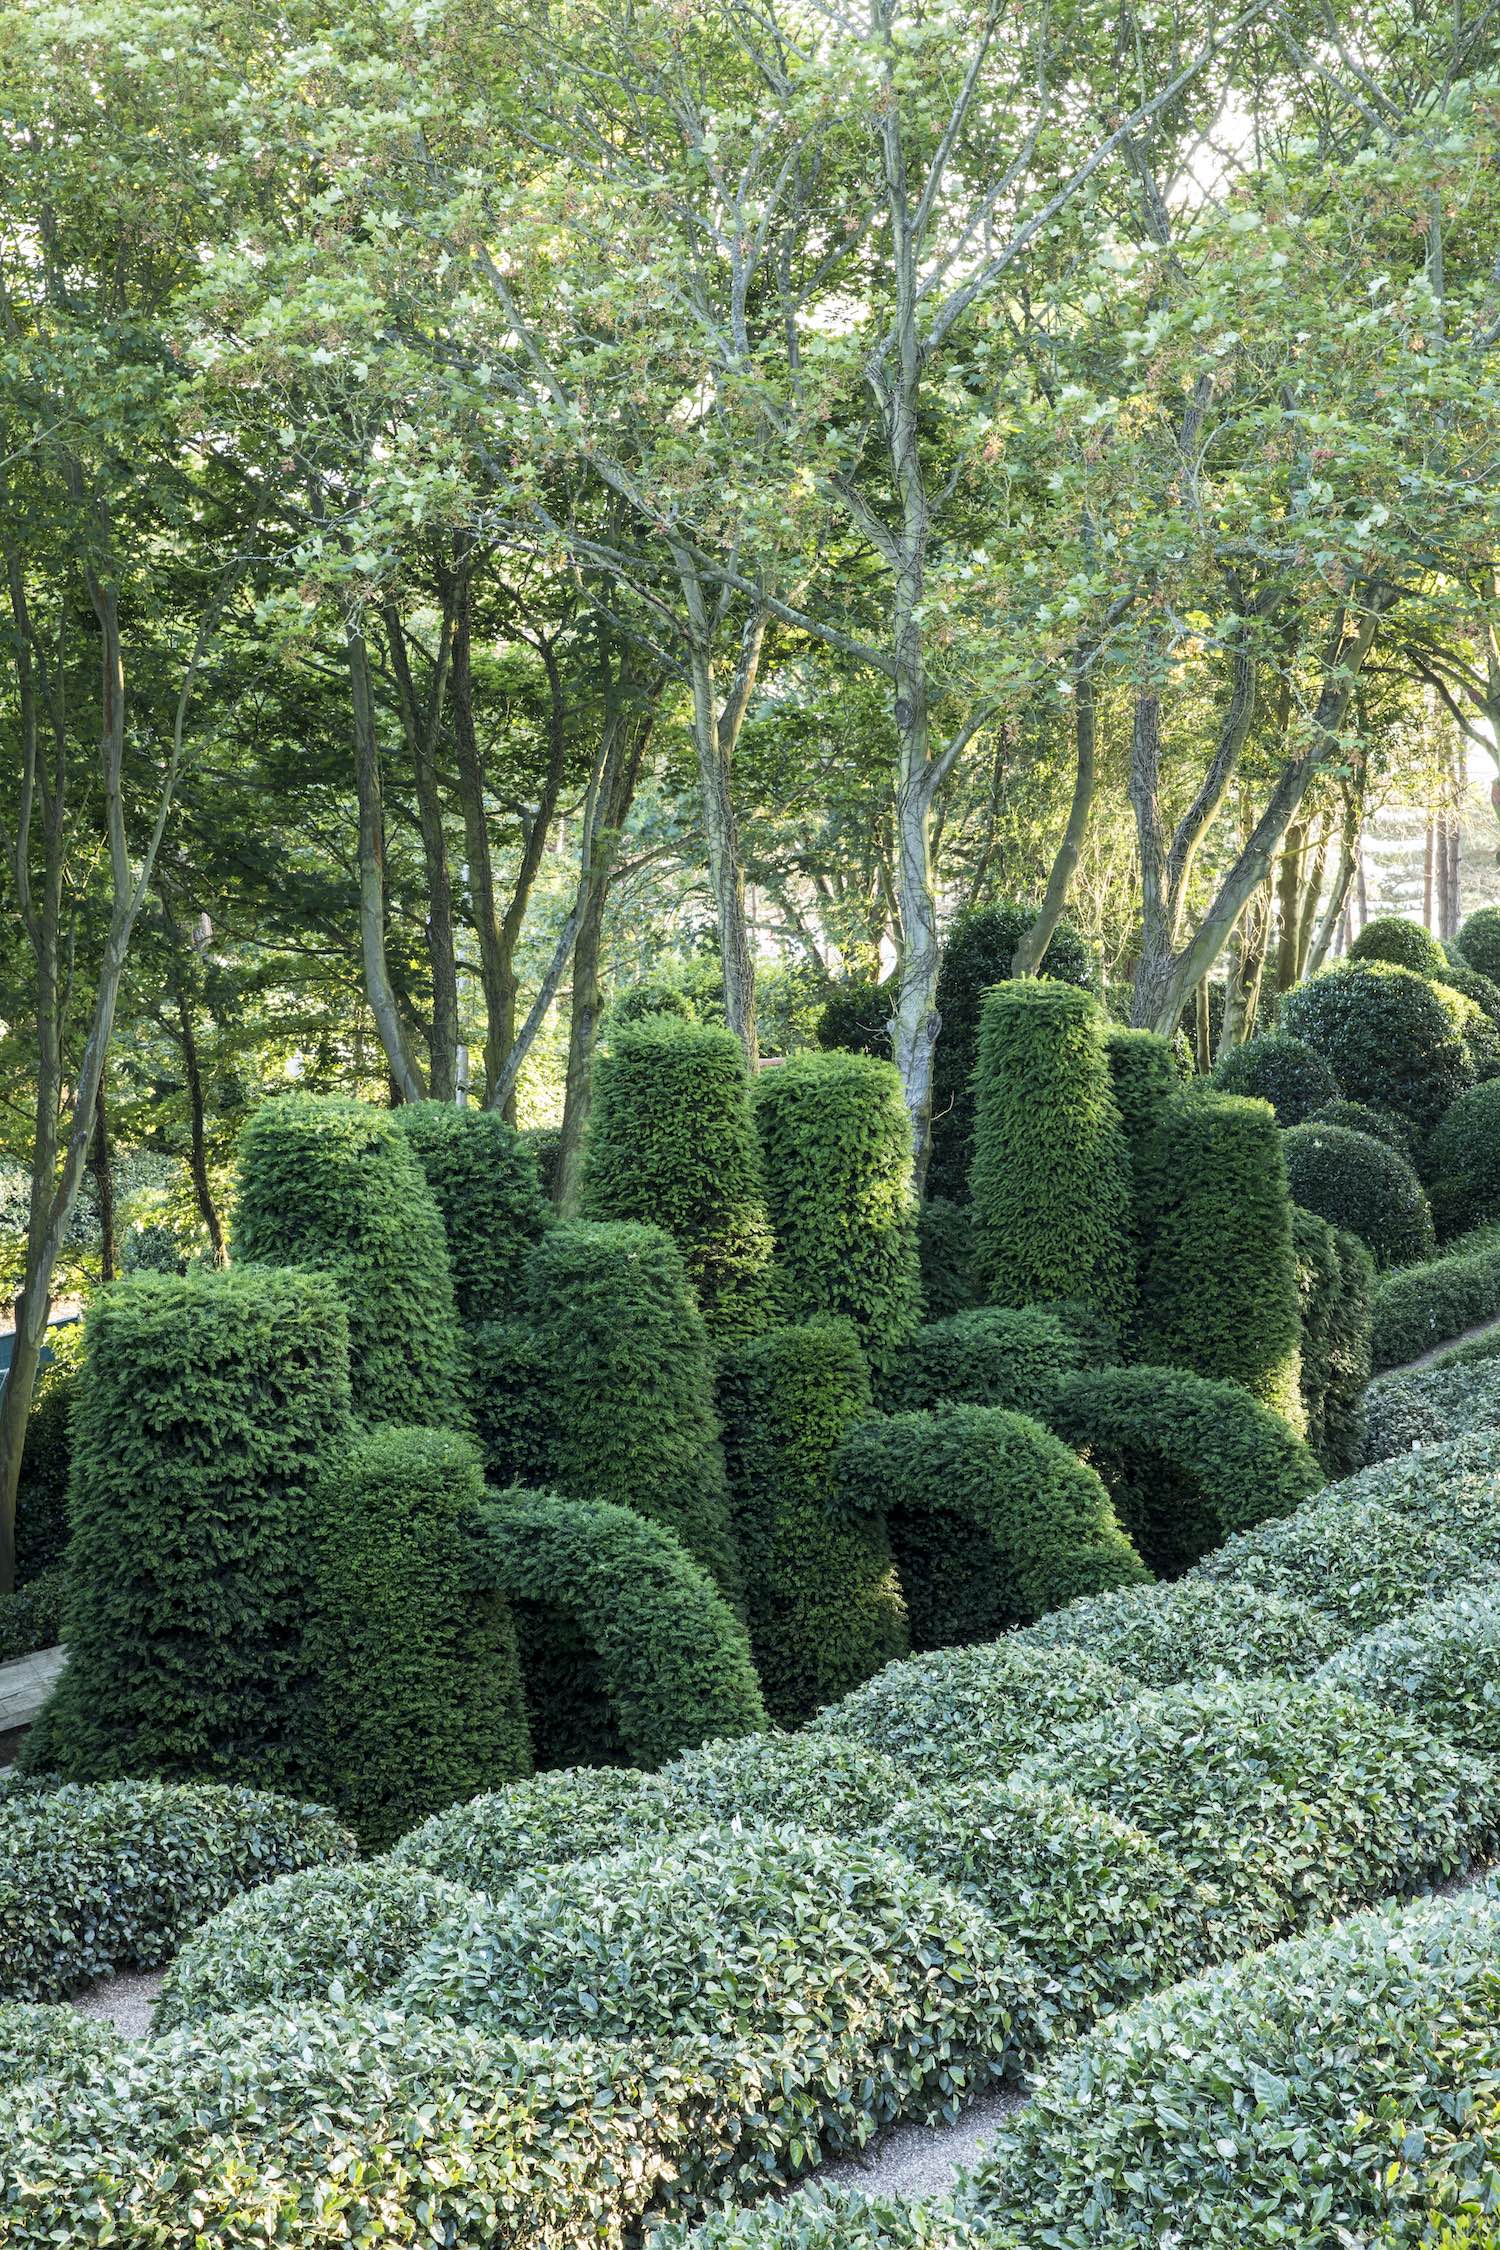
{"x":992,"y":1519}
{"x":42,"y":1502}
{"x":1358,"y":1117}
{"x":821,"y":1594}
{"x":1281,"y":1070}
{"x":511,"y":1402}
{"x":208,"y":1408}
{"x":945,"y":1245}
{"x":671,"y":1141}
{"x":1475,"y":1028}
{"x":1354,"y":1181}
{"x":418,"y":1680}
{"x":1219,"y":1275}
{"x":1457,"y":974}
{"x":643,"y":1003}
{"x":857,"y":1017}
{"x":1187,"y":1461}
{"x":836,"y":1153}
{"x":1143,"y":1076}
{"x":630,"y":1383}
{"x":1387,"y":1036}
{"x":545,"y":1145}
{"x":1015,"y":1357}
{"x":978,"y":954}
{"x":671,"y":1666}
{"x":485,"y":1184}
{"x":1390,"y":937}
{"x":1478,"y":942}
{"x":1463,"y":1161}
{"x":1051,"y":1181}
{"x":1421,"y":1306}
{"x":32,"y":1617}
{"x":336,"y":1185}
{"x":1335,"y":1284}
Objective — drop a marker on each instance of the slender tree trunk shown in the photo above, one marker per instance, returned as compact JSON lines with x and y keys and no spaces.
{"x":419,"y":727}
{"x":406,"y":1077}
{"x":1312,"y":892}
{"x":1035,"y":941}
{"x":479,"y":858}
{"x":1242,"y":991}
{"x":716,"y":730}
{"x":1289,"y":868}
{"x":1429,"y":854}
{"x":101,"y":1171}
{"x":197,"y":1128}
{"x":534,"y":844}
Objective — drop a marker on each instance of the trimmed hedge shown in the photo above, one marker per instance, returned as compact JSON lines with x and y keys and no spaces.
{"x":811,"y":1781}
{"x":1359,"y":1117}
{"x":1431,"y":1304}
{"x":1186,"y":1461}
{"x":671,"y":1140}
{"x":992,"y":1520}
{"x":418,"y":1677}
{"x":32,"y":1617}
{"x":1475,"y":1027}
{"x":945,"y":1249}
{"x":1051,"y":1178}
{"x":822,"y":1599}
{"x":1391,"y":937}
{"x":485,"y":1184}
{"x":823,"y":2218}
{"x":42,"y":1500}
{"x":1281,"y":1070}
{"x":836,"y":1154}
{"x":56,"y":2043}
{"x":580,"y":1812}
{"x":1424,"y":1409}
{"x":1386,"y":1035}
{"x":1144,"y":1077}
{"x":1453,"y":1488}
{"x":1219,"y":1274}
{"x":543,"y":1143}
{"x":1192,"y":1632}
{"x":511,"y":1401}
{"x":1356,"y":1182}
{"x":337,"y":1186}
{"x":1439,"y":1665}
{"x":95,"y":1881}
{"x":1335,"y":1287}
{"x":997,"y":1355}
{"x":1463,"y":1160}
{"x":1357,"y":1559}
{"x":666,"y":1662}
{"x":208,"y":1409}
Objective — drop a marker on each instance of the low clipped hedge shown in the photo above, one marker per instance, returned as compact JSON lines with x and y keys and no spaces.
{"x":996,"y":1355}
{"x":1357,"y":1559}
{"x":97,"y":1880}
{"x":1281,"y":1070}
{"x":1192,"y":1630}
{"x":1462,"y":1161}
{"x":1187,"y":1460}
{"x":1357,"y":1182}
{"x":1422,"y":1306}
{"x":970,"y":1713}
{"x":1440,"y":1666}
{"x":821,"y":2218}
{"x":485,"y":1183}
{"x":1452,"y":1489}
{"x":39,"y":2040}
{"x":336,"y":1934}
{"x":1423,"y":1409}
{"x":579,"y":1812}
{"x":813,"y":1781}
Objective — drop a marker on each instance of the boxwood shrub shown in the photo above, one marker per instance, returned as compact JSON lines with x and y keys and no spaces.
{"x":1463,"y":1160}
{"x":1356,"y":1559}
{"x":1359,"y":1117}
{"x":97,"y":1880}
{"x":1421,"y":1306}
{"x":813,"y":1781}
{"x":485,"y":1184}
{"x":1478,"y":941}
{"x":32,"y":1617}
{"x":856,"y":1016}
{"x":1391,"y":937}
{"x":992,"y":1520}
{"x":1194,"y":1630}
{"x":1440,"y":1665}
{"x":1281,"y":1070}
{"x":945,"y":1252}
{"x":1386,"y":1035}
{"x":578,"y":1812}
{"x":1424,"y":1409}
{"x":996,"y":1355}
{"x":39,"y":2040}
{"x":1357,"y":1182}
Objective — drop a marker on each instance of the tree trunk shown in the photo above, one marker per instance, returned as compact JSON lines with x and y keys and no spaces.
{"x":405,"y":1075}
{"x":419,"y":729}
{"x":479,"y":858}
{"x":102,"y":1172}
{"x":534,"y":844}
{"x":1242,"y":991}
{"x":1428,"y":858}
{"x":716,"y":730}
{"x":1289,"y":904}
{"x":1035,"y":941}
{"x":197,"y":1133}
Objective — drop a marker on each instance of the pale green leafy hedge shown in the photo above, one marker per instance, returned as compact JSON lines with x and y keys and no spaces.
{"x":1192,"y":1629}
{"x":1439,"y":1666}
{"x":58,"y":2042}
{"x":970,"y":1713}
{"x":578,"y":1812}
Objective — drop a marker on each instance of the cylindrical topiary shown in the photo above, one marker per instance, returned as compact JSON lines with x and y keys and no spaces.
{"x":997,"y":1355}
{"x":1143,"y":1077}
{"x":671,"y":1141}
{"x":417,"y":1677}
{"x":836,"y":1157}
{"x":336,"y":1185}
{"x":1391,"y":937}
{"x":1219,"y":1275}
{"x":1355,"y":1181}
{"x":1478,"y":941}
{"x":821,"y":1593}
{"x":1319,"y":1283}
{"x":485,"y":1184}
{"x":209,"y":1409}
{"x":945,"y":1244}
{"x":1463,"y":1161}
{"x":1350,"y":1349}
{"x":1387,"y":1036}
{"x":1278,"y":1069}
{"x":978,"y":954}
{"x":1051,"y":1182}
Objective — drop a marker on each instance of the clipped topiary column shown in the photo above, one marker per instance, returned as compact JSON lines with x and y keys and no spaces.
{"x":485,"y":1183}
{"x":821,"y":1594}
{"x":1219,"y":1276}
{"x":208,"y":1411}
{"x":335,"y":1185}
{"x":418,"y":1679}
{"x":1051,"y":1182}
{"x":836,"y":1153}
{"x":671,"y":1141}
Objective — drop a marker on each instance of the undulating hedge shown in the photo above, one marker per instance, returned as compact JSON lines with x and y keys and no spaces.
{"x":1335,"y":1289}
{"x":416,"y":1670}
{"x":1438,"y":1665}
{"x":978,"y":954}
{"x":945,"y":1247}
{"x":1386,"y":1035}
{"x":40,"y":2040}
{"x":1453,"y":1487}
{"x":629,"y":1382}
{"x":660,"y":1662}
{"x":810,"y":1781}
{"x":842,"y":2218}
{"x":94,"y":1881}
{"x":208,"y":1409}
{"x":1051,"y":1178}
{"x":671,"y":1140}
{"x":1423,"y":1409}
{"x":1358,"y":1183}
{"x":42,"y":1500}
{"x":997,"y":1355}
{"x":337,"y":1186}
{"x":836,"y":1154}
{"x":1357,"y":1559}
{"x":1192,"y":1630}
{"x":1422,"y":1306}
{"x":822,"y":1599}
{"x":1219,"y":1271}
{"x":485,"y":1183}
{"x":1462,"y":1161}
{"x":1281,"y":1070}
{"x":32,"y":1617}
{"x":578,"y":1812}
{"x":1187,"y":1461}
{"x":992,"y":1520}
{"x":1391,"y":937}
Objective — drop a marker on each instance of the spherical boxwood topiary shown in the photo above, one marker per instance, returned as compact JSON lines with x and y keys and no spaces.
{"x":1353,"y":1181}
{"x":56,"y":2043}
{"x":1439,"y":1666}
{"x":1463,"y":1160}
{"x":671,"y":1140}
{"x":485,"y":1184}
{"x":1278,"y":1069}
{"x":836,"y":1151}
{"x":1390,"y":937}
{"x":1051,"y":1174}
{"x":994,"y":1356}
{"x":991,"y":1519}
{"x":1192,"y":1632}
{"x":336,"y":1185}
{"x":1475,"y":1028}
{"x":813,"y":1781}
{"x":1459,"y":977}
{"x":328,"y":1934}
{"x":208,"y":1409}
{"x":1358,"y":1117}
{"x":93,"y":1881}
{"x":1385,"y":1034}
{"x":1478,"y":941}
{"x":822,"y":1599}
{"x":579,"y":1812}
{"x":666,"y":1664}
{"x":945,"y":1245}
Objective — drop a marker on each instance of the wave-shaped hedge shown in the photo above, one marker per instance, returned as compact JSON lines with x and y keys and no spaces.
{"x":970,"y":1713}
{"x":576,"y":1812}
{"x":1440,"y":1666}
{"x":1193,"y":1630}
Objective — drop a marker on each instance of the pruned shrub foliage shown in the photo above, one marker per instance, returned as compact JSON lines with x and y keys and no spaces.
{"x":1358,"y":1183}
{"x":1281,"y":1070}
{"x":485,"y":1183}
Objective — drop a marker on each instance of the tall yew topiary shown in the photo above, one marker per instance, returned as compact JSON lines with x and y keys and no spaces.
{"x":836,"y":1154}
{"x":1219,"y":1275}
{"x":671,"y":1140}
{"x":1335,"y":1282}
{"x":335,"y":1185}
{"x":1051,"y":1183}
{"x":485,"y":1183}
{"x":821,"y":1594}
{"x":209,"y":1409}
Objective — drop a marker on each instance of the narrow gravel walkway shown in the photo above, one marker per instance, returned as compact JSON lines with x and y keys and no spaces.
{"x":1440,"y":1351}
{"x":125,"y":2001}
{"x":922,"y":2160}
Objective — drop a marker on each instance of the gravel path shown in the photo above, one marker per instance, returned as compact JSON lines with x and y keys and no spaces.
{"x":126,"y":2002}
{"x":1441,"y":1351}
{"x":921,"y":2160}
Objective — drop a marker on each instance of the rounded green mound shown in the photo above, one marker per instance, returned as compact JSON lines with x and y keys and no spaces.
{"x":1281,"y":1070}
{"x":812,"y":1781}
{"x":1355,"y":1181}
{"x":995,"y":1355}
{"x":581,"y":1812}
{"x":49,"y":2041}
{"x":1478,"y":941}
{"x":1359,"y":1117}
{"x":1386,"y":1035}
{"x":963,"y":1714}
{"x":1390,"y":937}
{"x":1168,"y":1635}
{"x":1438,"y":1403}
{"x":485,"y":1183}
{"x":1439,"y":1666}
{"x":1463,"y":1160}
{"x":1358,"y":1560}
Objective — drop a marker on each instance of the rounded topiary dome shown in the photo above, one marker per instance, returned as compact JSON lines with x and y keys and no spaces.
{"x":1387,"y":1035}
{"x":1281,"y":1070}
{"x":1478,"y":941}
{"x":1390,"y":937}
{"x":1463,"y":1160}
{"x":1354,"y":1181}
